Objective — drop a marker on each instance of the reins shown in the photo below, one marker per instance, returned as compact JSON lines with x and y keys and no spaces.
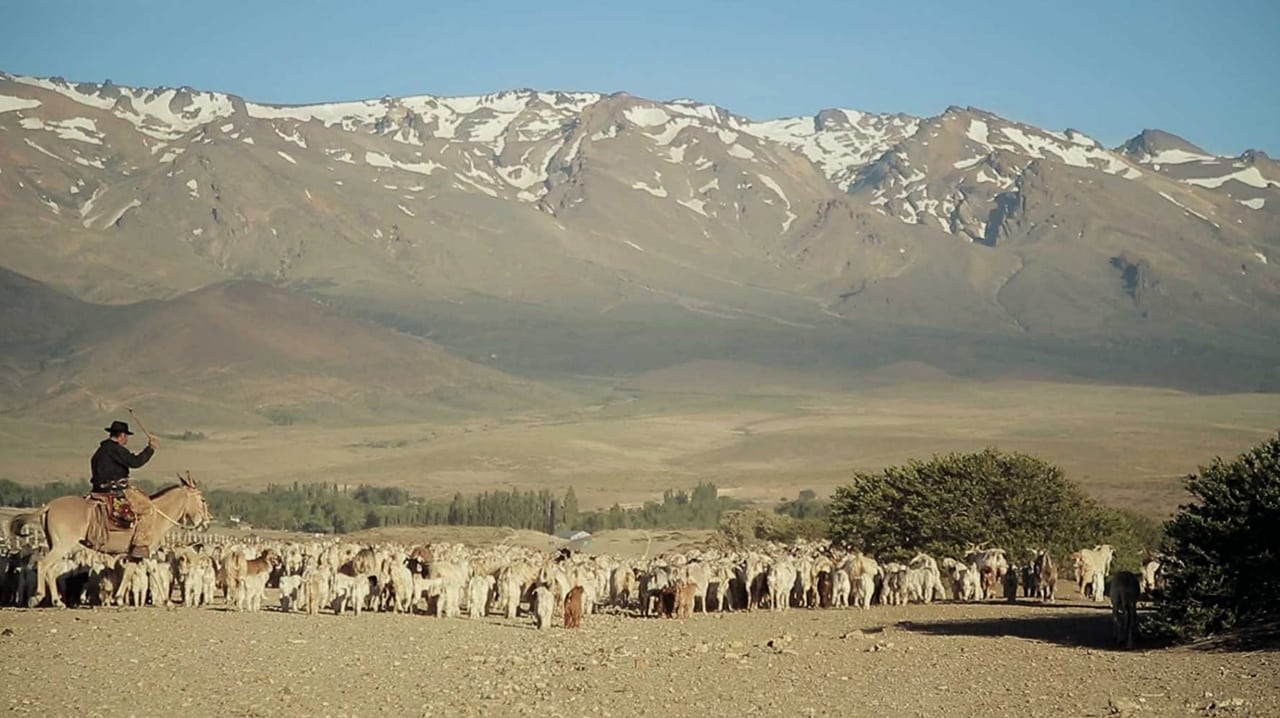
{"x":186,"y":497}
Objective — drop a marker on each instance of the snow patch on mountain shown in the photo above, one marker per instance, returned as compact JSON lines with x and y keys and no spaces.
{"x":696,"y":205}
{"x":12,"y":104}
{"x":978,"y":132}
{"x":1188,"y":209}
{"x":163,"y":113}
{"x":777,"y":189}
{"x":377,"y":159}
{"x":363,"y":111}
{"x":1177,"y":157}
{"x":647,"y":116}
{"x":293,"y":137}
{"x":658,"y":191}
{"x":79,"y":129}
{"x":607,"y":133}
{"x":1251,"y":176}
{"x":1033,"y":144}
{"x":672,"y":129}
{"x":840,"y":144}
{"x":119,"y":215}
{"x":38,"y":148}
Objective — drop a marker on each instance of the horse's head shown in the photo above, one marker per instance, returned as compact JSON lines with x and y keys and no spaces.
{"x":196,"y":509}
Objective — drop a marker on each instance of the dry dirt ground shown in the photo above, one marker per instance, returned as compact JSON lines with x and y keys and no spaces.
{"x":940,"y":660}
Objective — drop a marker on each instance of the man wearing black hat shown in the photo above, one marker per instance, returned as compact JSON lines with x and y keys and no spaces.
{"x":112,"y":461}
{"x":110,"y":465}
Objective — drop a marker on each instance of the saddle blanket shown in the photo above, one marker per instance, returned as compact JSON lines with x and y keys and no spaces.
{"x":119,"y":513}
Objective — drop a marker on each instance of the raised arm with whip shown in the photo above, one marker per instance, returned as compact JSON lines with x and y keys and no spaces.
{"x":151,"y":440}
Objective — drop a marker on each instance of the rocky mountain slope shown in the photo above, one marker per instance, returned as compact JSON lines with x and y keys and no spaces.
{"x":578,"y":222}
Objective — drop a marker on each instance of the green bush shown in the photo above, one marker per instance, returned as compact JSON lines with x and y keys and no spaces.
{"x":1223,"y":571}
{"x":941,"y":506}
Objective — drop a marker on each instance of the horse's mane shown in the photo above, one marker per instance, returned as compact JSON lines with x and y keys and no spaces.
{"x":164,"y":491}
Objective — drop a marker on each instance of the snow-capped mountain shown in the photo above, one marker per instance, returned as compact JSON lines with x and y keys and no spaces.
{"x":580,"y":202}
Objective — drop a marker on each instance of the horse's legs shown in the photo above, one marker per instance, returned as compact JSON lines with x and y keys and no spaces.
{"x":46,"y":579}
{"x":61,"y":542}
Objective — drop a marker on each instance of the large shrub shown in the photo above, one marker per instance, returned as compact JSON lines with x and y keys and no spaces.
{"x":1223,"y":571}
{"x":1013,"y":501}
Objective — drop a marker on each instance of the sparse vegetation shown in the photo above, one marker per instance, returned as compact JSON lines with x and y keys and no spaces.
{"x":279,"y":417}
{"x":1223,"y":572}
{"x":744,"y":527}
{"x":383,"y":444}
{"x":187,"y":435}
{"x":806,"y":505}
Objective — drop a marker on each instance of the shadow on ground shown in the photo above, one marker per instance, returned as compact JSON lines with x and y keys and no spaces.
{"x":1083,"y":629}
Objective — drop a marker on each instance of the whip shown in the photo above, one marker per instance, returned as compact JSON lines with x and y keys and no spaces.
{"x":142,"y":426}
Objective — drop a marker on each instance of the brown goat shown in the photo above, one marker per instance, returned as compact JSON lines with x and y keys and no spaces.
{"x":573,"y":608}
{"x":265,"y":563}
{"x":666,"y":599}
{"x":240,"y":569}
{"x":684,"y":596}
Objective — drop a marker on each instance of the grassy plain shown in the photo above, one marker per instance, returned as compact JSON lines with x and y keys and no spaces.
{"x":1128,"y":446}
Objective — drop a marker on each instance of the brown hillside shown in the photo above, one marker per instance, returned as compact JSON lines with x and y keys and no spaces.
{"x":245,"y":347}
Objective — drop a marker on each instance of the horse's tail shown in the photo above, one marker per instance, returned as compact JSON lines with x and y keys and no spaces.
{"x":22,"y":526}
{"x":14,"y":528}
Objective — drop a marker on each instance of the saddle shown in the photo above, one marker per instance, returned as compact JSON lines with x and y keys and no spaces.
{"x":119,"y":512}
{"x":111,"y":513}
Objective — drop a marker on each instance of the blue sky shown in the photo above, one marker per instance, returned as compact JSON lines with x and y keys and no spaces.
{"x":1207,"y":71}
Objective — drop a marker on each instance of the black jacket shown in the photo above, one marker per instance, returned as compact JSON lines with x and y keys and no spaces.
{"x":111,"y":464}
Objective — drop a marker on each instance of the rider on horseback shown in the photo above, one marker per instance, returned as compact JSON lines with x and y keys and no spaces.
{"x":110,"y":465}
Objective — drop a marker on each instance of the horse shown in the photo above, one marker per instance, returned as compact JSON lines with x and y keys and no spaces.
{"x":66,"y":521}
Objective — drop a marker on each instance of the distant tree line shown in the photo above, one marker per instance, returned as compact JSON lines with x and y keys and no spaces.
{"x":331,"y":508}
{"x":28,"y":496}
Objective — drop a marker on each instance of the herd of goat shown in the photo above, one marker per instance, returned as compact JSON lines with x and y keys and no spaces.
{"x":448,"y":579}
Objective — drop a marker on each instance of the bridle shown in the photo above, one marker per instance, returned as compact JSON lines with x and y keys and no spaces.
{"x":186,"y":498}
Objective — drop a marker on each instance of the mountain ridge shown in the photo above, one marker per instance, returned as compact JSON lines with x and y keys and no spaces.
{"x":562,"y":206}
